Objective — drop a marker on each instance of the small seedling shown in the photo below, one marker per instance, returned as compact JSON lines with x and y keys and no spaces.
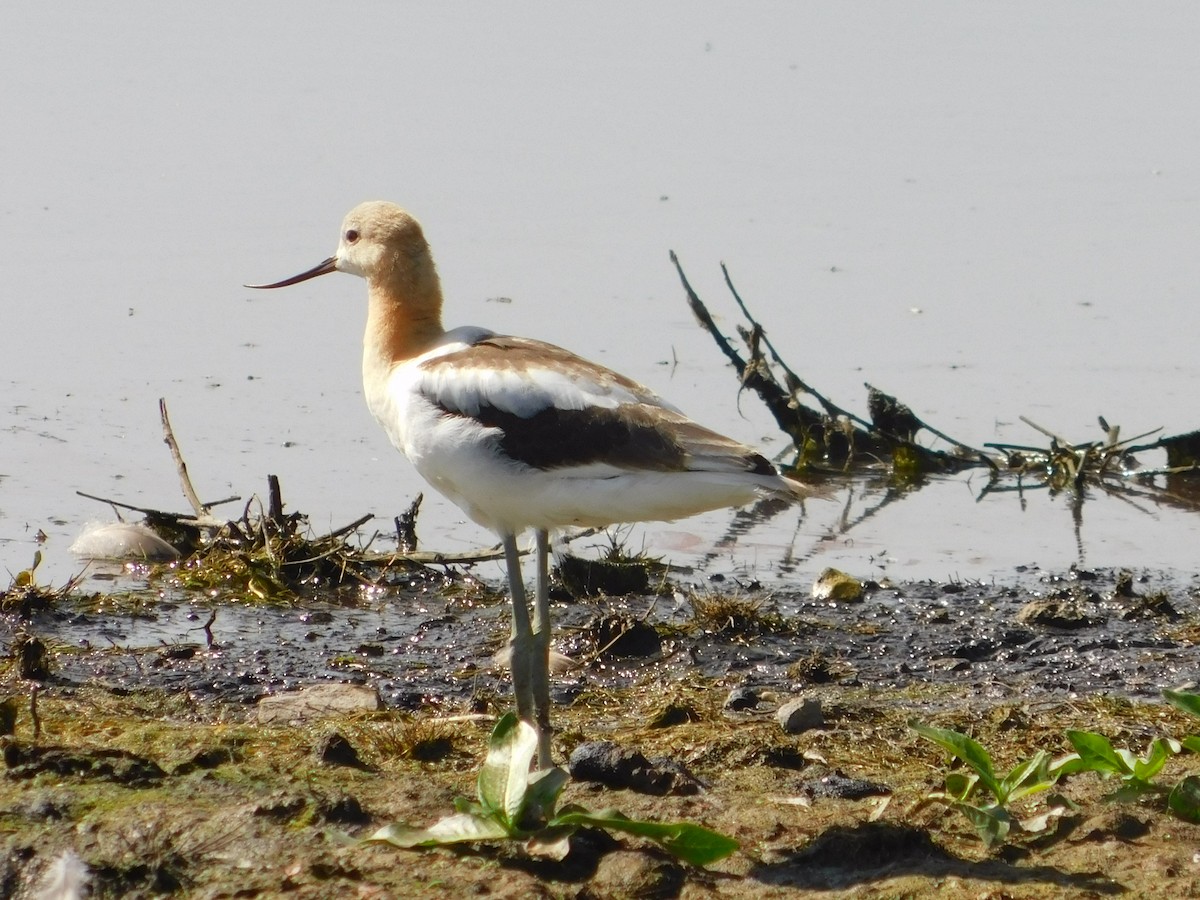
{"x":516,"y":804}
{"x":967,"y":792}
{"x":1184,"y":799}
{"x":1095,"y":753}
{"x":1189,"y":703}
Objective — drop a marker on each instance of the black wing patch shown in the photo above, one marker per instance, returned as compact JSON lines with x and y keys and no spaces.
{"x":627,"y":437}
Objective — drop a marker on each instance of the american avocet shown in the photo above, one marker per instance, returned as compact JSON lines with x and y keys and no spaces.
{"x":521,"y":434}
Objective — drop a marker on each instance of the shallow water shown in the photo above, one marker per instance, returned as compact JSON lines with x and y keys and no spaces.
{"x":987,"y":212}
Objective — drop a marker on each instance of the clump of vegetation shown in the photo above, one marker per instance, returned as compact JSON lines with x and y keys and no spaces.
{"x":268,"y":555}
{"x":730,"y":615}
{"x":517,"y":804}
{"x":985,"y":796}
{"x":827,"y":437}
{"x":24,"y":596}
{"x":616,"y":573}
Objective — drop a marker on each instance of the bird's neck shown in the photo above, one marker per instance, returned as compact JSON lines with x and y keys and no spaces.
{"x":401,"y":326}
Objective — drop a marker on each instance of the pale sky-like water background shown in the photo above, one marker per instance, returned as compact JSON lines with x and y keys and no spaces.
{"x":1026,"y":175}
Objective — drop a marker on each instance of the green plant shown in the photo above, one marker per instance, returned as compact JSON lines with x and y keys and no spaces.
{"x":516,"y":804}
{"x":1184,"y":799}
{"x":968,"y":792}
{"x":1189,"y":703}
{"x":1095,"y":753}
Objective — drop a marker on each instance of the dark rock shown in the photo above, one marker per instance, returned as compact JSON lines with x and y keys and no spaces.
{"x":741,"y":698}
{"x":335,"y":750}
{"x":615,"y":767}
{"x":621,"y":637}
{"x":834,"y":785}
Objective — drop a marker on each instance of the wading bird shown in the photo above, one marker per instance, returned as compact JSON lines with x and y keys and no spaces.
{"x":521,"y":434}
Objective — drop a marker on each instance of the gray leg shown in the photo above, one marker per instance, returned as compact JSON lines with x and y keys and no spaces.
{"x":540,"y":666}
{"x":522,"y":642}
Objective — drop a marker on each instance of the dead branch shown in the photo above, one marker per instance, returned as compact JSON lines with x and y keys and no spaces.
{"x":794,"y":382}
{"x":203,"y":515}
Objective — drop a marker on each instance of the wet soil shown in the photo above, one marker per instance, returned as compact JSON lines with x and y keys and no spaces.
{"x":151,"y":762}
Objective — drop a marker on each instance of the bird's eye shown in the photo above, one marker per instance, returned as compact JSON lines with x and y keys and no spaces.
{"x":351,"y":236}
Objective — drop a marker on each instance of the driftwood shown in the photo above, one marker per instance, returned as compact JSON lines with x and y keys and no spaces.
{"x":832,"y":439}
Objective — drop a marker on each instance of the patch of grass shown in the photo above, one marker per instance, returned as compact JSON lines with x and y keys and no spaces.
{"x":25,"y":597}
{"x":417,"y":739}
{"x":731,"y":616}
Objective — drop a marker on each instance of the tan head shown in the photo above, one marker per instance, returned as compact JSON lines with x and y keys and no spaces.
{"x":382,"y":243}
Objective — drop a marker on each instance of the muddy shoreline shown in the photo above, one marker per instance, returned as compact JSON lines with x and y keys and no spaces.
{"x":149,"y":736}
{"x":1055,"y":635}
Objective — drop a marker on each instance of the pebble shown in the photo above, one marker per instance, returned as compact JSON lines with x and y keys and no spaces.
{"x":741,"y":698}
{"x":800,"y":715}
{"x":317,"y":702}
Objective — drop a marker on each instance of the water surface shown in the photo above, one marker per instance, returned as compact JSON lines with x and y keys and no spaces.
{"x":988,"y":211}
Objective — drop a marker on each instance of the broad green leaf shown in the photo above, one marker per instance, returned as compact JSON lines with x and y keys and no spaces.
{"x":691,"y":843}
{"x":1189,"y":703}
{"x":505,"y":772}
{"x":1191,"y":743}
{"x":967,"y":749}
{"x":960,"y":785}
{"x":1065,"y":765}
{"x":1128,"y":759}
{"x":454,"y":829}
{"x":992,"y":823}
{"x":1096,"y":753}
{"x":541,"y":796}
{"x":1184,"y":800}
{"x":1159,"y":751}
{"x":1029,"y":777}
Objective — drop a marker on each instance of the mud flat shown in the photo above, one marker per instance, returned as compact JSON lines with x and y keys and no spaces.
{"x":157,"y":762}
